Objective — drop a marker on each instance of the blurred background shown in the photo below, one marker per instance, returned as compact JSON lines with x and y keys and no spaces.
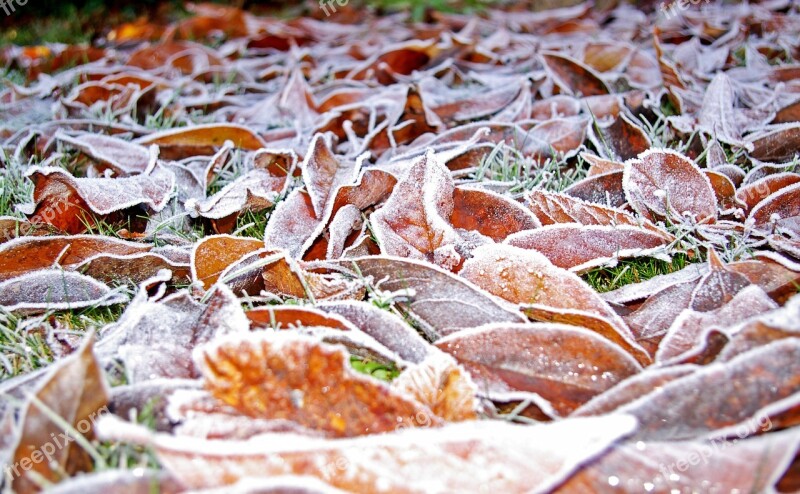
{"x":81,"y":21}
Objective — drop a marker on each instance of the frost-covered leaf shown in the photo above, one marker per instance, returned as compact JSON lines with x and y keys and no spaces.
{"x":413,"y":222}
{"x":329,"y":328}
{"x":54,"y":289}
{"x":254,"y":191}
{"x":283,"y":276}
{"x":67,"y":202}
{"x":124,"y":157}
{"x":414,"y":461}
{"x":632,"y":388}
{"x":214,"y":254}
{"x":489,"y":214}
{"x":279,"y":375}
{"x":441,"y":384}
{"x":666,"y":184}
{"x":580,"y":248}
{"x":621,"y":139}
{"x":575,"y":76}
{"x":753,"y":193}
{"x":292,"y":224}
{"x":547,"y":292}
{"x":565,"y":365}
{"x":721,"y":397}
{"x":201,"y":140}
{"x":440,"y":302}
{"x":324,"y":173}
{"x":136,"y":268}
{"x":717,"y":115}
{"x":75,"y":390}
{"x":780,"y":211}
{"x":686,"y":331}
{"x":734,"y":465}
{"x":776,"y":144}
{"x":387,"y":328}
{"x":551,"y":208}
{"x":27,"y":254}
{"x":605,"y":188}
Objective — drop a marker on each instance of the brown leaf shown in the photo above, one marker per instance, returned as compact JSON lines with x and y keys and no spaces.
{"x":286,"y":317}
{"x":123,"y":157}
{"x":75,"y":390}
{"x":54,"y":289}
{"x":201,"y":140}
{"x":329,"y":328}
{"x":666,"y":184}
{"x":440,"y":302}
{"x":780,"y":210}
{"x":387,"y":328}
{"x":563,"y":135}
{"x":442,"y":385}
{"x":292,"y":224}
{"x":182,"y":55}
{"x":66,"y":202}
{"x":753,"y":465}
{"x":580,"y":248}
{"x":27,"y":254}
{"x":552,"y":208}
{"x":719,"y":398}
{"x":687,"y":332}
{"x":777,"y":144}
{"x":256,"y":190}
{"x":605,"y":189}
{"x":413,"y":222}
{"x":717,"y":116}
{"x":717,"y":287}
{"x":724,"y":190}
{"x":575,"y":76}
{"x":489,"y":214}
{"x":546,"y":292}
{"x":482,"y":104}
{"x":286,"y":376}
{"x":779,"y":282}
{"x":136,"y":268}
{"x":324,"y":173}
{"x":621,"y":139}
{"x":409,"y":462}
{"x":155,"y":335}
{"x":215,"y":253}
{"x":286,"y":278}
{"x":753,"y":193}
{"x":633,"y":388}
{"x":563,"y":364}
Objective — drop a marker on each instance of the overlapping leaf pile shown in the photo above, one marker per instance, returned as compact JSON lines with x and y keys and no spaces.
{"x":429,"y":197}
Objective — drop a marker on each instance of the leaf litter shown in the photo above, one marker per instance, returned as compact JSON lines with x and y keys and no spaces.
{"x":354,"y":253}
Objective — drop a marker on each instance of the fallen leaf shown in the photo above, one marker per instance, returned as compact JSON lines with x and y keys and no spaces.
{"x":413,"y":222}
{"x":54,"y":289}
{"x":565,"y":365}
{"x":582,"y":247}
{"x":439,"y":301}
{"x":666,"y":184}
{"x":547,"y":292}
{"x":408,"y":462}
{"x":75,"y":390}
{"x":285,"y":376}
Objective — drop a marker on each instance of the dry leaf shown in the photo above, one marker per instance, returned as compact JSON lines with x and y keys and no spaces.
{"x":285,"y":376}
{"x":563,"y":364}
